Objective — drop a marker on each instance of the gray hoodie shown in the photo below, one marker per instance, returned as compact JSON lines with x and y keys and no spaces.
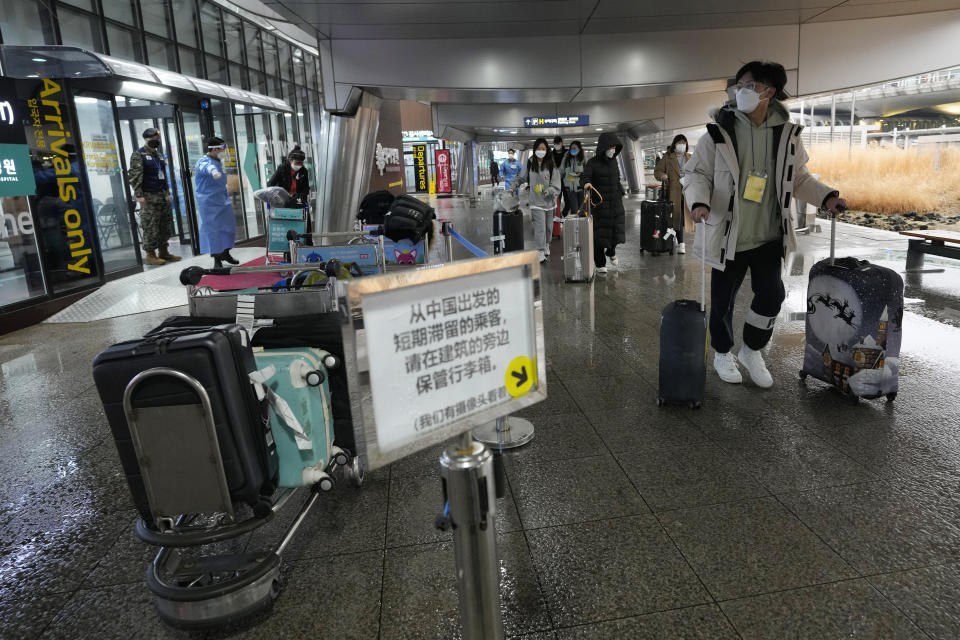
{"x":544,"y":186}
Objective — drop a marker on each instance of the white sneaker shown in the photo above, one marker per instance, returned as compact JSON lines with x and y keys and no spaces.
{"x":682,"y":247}
{"x":546,"y":251}
{"x":541,"y":256}
{"x":753,"y":362}
{"x":601,"y":269}
{"x":615,"y":261}
{"x":726,"y":367}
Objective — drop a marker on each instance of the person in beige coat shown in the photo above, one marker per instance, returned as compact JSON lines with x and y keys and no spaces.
{"x":669,"y":171}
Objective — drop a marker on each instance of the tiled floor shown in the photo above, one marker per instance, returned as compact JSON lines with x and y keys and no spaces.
{"x":787,"y":513}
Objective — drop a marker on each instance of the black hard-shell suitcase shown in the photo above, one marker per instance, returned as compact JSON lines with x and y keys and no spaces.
{"x":509,"y":225}
{"x":656,"y":217}
{"x":220,"y":359}
{"x":374,"y":206}
{"x":683,"y":349}
{"x":318,"y":331}
{"x":854,"y":325}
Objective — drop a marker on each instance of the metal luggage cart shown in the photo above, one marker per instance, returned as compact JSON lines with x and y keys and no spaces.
{"x":255,"y":308}
{"x":195,"y":592}
{"x":361,"y":248}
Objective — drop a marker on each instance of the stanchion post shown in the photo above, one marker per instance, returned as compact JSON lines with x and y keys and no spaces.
{"x":445,"y":230}
{"x":470,"y":512}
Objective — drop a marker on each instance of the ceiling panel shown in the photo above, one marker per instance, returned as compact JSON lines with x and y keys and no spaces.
{"x":475,"y":96}
{"x":635,"y":92}
{"x":632,"y":8}
{"x":420,"y":12}
{"x":692,"y":21}
{"x":455,"y":30}
{"x":856,"y":10}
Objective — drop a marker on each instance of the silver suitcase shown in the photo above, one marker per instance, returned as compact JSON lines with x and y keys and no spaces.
{"x":578,"y":249}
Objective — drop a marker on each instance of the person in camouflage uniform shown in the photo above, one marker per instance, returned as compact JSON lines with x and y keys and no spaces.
{"x":148,"y":177}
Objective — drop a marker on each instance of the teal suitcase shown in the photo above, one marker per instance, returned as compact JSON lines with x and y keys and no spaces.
{"x":296,"y":384}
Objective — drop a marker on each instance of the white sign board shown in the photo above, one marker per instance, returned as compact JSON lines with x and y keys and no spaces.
{"x":441,"y":350}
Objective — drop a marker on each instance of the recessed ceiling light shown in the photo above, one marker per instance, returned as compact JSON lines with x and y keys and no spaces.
{"x":39,"y":59}
{"x":599,"y":128}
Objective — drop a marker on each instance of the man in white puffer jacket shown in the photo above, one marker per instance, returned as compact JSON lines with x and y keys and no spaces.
{"x":740,"y":182}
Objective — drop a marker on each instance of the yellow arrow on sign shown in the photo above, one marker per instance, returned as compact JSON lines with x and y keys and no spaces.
{"x":520,"y":376}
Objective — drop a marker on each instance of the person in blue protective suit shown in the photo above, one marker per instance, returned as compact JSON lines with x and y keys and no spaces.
{"x":510,"y":168}
{"x":218,"y":229}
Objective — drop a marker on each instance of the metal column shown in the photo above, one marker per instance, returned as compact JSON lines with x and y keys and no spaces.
{"x":346,"y":165}
{"x":630,"y":163}
{"x":470,"y":509}
{"x":833,"y":114}
{"x":466,"y":172}
{"x":853,"y":109}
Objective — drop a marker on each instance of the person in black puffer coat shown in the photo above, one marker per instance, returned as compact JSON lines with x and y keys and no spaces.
{"x":603,"y":173}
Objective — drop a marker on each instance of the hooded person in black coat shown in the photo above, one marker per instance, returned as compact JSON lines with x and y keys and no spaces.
{"x":602,"y":172}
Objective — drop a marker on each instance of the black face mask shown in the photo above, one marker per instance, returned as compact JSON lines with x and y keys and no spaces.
{"x":153,"y":144}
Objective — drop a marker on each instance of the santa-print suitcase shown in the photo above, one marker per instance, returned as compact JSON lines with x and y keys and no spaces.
{"x":854,"y":325}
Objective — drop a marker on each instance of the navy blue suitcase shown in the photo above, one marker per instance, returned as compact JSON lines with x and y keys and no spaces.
{"x":683,"y":349}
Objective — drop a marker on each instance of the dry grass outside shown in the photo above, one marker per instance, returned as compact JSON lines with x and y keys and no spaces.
{"x":889,"y":180}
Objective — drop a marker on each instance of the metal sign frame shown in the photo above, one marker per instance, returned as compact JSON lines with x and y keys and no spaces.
{"x":351,"y":297}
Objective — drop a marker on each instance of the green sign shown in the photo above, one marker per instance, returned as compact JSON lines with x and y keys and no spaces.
{"x":16,"y":172}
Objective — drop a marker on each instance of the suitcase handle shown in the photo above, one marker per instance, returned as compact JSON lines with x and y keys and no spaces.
{"x":833,"y":230}
{"x":588,"y":202}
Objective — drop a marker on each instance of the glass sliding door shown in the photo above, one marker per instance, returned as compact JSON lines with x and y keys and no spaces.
{"x":101,"y":157}
{"x":223,"y":127}
{"x":20,"y":275}
{"x":250,"y":177}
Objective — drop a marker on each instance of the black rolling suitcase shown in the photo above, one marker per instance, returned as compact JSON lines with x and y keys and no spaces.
{"x":507,"y":231}
{"x":683,"y":349}
{"x":854,"y":325}
{"x":656,"y":218}
{"x":220,"y":360}
{"x":321,"y":331}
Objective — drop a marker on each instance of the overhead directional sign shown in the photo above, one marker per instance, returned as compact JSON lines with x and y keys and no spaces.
{"x":556,"y":121}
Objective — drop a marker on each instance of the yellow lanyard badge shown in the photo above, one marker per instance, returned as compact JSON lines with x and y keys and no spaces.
{"x":755,"y":187}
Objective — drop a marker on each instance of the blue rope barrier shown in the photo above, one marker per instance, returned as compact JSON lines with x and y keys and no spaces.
{"x":472,"y":248}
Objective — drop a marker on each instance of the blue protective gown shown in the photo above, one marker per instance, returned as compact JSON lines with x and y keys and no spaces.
{"x":218,"y":231}
{"x":509,"y":171}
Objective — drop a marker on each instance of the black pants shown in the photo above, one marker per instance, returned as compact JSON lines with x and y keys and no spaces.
{"x":764,"y":264}
{"x":679,"y":228}
{"x":600,"y":254}
{"x":572,"y":200}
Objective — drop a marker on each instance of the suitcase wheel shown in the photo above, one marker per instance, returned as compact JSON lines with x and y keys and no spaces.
{"x":659,"y":401}
{"x":696,"y":405}
{"x":891,"y":396}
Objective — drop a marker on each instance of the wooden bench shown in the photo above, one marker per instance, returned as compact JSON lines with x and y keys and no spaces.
{"x":935,"y":242}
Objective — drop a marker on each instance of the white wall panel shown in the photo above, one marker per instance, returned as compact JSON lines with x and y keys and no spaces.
{"x":620,"y":59}
{"x":468,"y":63}
{"x":691,"y":110}
{"x":838,"y":55}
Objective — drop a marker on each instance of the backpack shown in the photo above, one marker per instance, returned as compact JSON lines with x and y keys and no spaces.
{"x":409,"y":219}
{"x":374,"y":206}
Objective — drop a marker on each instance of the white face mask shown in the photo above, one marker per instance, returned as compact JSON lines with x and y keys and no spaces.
{"x":296,"y":167}
{"x":558,"y":146}
{"x":611,"y":152}
{"x":681,"y":148}
{"x":747,"y":100}
{"x":541,"y":153}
